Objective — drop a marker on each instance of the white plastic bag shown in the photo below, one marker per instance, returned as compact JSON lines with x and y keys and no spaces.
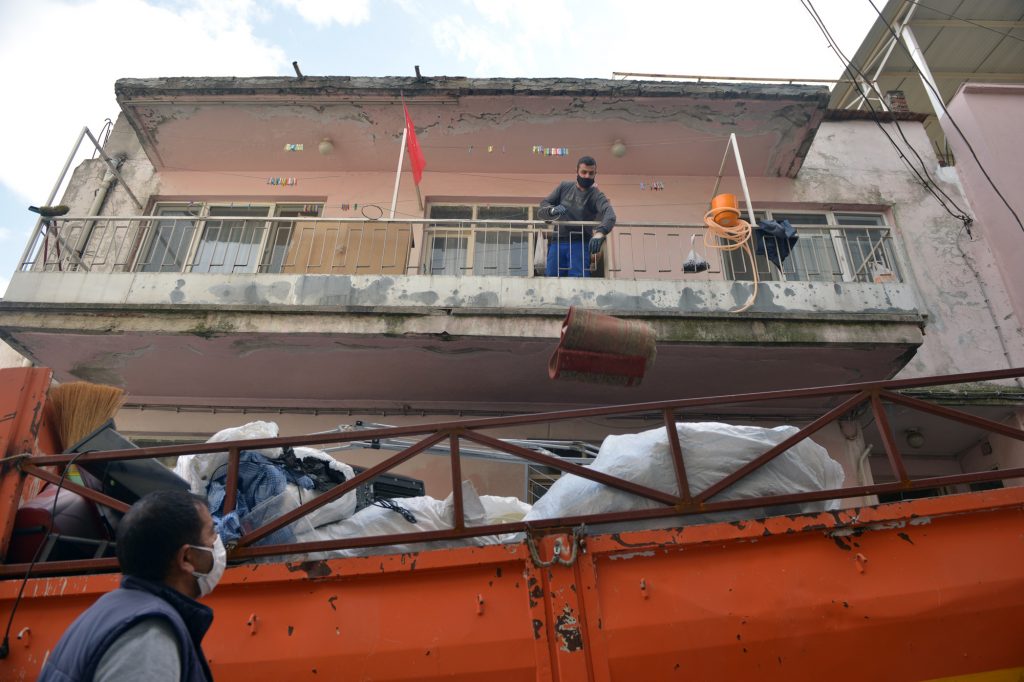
{"x":199,"y":469}
{"x":711,"y":451}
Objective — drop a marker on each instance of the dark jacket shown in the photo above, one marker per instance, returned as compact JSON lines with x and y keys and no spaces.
{"x":585,"y":204}
{"x":79,"y":651}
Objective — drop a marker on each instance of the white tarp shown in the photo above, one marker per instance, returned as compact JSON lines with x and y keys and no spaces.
{"x":711,"y":451}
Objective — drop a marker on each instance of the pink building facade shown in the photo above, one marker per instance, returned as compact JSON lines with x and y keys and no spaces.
{"x":260,"y":271}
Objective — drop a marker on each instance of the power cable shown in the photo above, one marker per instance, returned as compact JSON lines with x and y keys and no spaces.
{"x":852,"y":71}
{"x":5,"y":647}
{"x":938,"y":98}
{"x":966,"y":21}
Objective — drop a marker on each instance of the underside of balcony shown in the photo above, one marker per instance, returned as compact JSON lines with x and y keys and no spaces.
{"x":409,"y":343}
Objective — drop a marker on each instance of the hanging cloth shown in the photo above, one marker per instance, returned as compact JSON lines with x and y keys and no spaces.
{"x":774,"y":240}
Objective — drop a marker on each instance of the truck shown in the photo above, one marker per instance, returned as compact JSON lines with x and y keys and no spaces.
{"x":924,"y":588}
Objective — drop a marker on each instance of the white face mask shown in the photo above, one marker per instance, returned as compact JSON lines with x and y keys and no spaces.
{"x":208,"y":581}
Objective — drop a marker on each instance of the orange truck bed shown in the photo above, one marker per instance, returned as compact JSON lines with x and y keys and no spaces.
{"x":927,"y":589}
{"x":922,"y":590}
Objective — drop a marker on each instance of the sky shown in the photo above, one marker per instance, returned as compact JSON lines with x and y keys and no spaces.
{"x":62,"y":57}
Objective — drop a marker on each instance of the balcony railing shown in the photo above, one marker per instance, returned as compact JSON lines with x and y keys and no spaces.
{"x":342,"y":246}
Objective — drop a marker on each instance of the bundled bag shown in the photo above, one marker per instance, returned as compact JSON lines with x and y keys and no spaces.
{"x":694,"y":261}
{"x":540,"y":254}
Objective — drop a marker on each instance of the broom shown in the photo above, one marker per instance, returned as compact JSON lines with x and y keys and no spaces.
{"x":80,"y":407}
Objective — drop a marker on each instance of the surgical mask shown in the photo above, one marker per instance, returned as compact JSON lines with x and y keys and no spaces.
{"x":208,"y":581}
{"x":585,"y":183}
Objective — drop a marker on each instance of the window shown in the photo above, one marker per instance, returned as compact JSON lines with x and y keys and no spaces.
{"x":477,"y":247}
{"x":170,"y":241}
{"x":832,"y":247}
{"x":221,"y":238}
{"x":229,"y":246}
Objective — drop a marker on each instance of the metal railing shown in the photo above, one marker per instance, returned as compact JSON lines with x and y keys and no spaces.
{"x":519,"y":248}
{"x":848,"y":399}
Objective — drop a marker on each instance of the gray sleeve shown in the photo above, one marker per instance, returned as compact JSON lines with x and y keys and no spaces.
{"x":146,"y":651}
{"x":605,"y":211}
{"x":553,"y":199}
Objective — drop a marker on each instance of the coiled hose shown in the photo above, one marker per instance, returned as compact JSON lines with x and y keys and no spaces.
{"x":733,"y":233}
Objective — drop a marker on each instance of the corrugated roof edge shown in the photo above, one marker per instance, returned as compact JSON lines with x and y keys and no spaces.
{"x":130,"y":88}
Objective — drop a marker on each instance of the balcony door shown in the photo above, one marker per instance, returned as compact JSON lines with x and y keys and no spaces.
{"x":479,"y":239}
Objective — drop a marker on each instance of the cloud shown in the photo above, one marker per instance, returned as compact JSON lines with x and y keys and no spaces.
{"x":69,"y":80}
{"x":575,"y":39}
{"x":322,"y":13}
{"x":3,"y":285}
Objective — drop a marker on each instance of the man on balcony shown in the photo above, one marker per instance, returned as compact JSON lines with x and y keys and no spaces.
{"x":570,"y":248}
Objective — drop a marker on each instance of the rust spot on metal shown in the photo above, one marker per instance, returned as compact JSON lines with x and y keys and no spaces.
{"x":331,"y":600}
{"x":618,"y":539}
{"x":312,"y":569}
{"x":290,"y":630}
{"x":846,"y":605}
{"x":536,"y":592}
{"x":840,"y":544}
{"x":537,"y":627}
{"x":567,"y":628}
{"x":904,"y":536}
{"x":498,"y":572}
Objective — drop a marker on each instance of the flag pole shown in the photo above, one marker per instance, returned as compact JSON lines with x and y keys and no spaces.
{"x":398,"y":173}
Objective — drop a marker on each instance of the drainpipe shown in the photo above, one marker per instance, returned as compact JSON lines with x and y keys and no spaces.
{"x":97,"y":204}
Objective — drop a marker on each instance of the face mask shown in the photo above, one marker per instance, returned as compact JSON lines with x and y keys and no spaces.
{"x":585,"y":183}
{"x":208,"y":581}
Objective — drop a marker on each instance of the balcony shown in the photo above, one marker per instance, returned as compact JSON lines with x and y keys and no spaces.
{"x":243,"y":309}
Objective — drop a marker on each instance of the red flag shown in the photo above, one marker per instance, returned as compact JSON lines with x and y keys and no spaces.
{"x":413,"y":145}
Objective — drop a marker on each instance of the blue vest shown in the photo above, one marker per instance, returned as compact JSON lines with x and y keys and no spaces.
{"x":80,"y":649}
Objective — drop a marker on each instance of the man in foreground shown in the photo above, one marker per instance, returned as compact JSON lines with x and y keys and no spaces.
{"x":151,"y":627}
{"x":569,"y":250}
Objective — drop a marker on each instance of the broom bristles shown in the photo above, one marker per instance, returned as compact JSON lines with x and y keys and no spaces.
{"x":80,"y":407}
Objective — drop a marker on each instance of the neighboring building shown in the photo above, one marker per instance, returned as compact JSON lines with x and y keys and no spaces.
{"x":259,"y":281}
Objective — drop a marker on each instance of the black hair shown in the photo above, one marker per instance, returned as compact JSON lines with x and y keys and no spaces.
{"x":586,"y":161}
{"x":153,"y":531}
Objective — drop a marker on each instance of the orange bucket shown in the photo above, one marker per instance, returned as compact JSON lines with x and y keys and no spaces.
{"x":725,"y":210}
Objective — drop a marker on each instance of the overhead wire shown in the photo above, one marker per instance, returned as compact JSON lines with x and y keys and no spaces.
{"x":1008,"y":34}
{"x":939,"y":99}
{"x":926,"y":182}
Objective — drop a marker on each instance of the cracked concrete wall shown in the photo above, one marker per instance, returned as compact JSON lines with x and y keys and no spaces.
{"x":970,"y":323}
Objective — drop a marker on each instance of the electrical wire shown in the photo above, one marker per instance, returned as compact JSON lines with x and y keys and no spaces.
{"x":966,"y":21}
{"x":938,"y":98}
{"x":5,"y":645}
{"x":853,"y":71}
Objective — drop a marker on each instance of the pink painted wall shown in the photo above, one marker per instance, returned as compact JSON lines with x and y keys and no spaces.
{"x":990,"y":117}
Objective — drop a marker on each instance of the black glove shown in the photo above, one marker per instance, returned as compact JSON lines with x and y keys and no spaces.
{"x":596,"y":243}
{"x":558,"y":211}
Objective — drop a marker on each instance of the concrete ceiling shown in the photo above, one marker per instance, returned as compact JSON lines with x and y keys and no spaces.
{"x":429,"y":371}
{"x":469,"y":125}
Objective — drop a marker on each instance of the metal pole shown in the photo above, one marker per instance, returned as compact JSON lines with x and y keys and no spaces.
{"x":926,"y":74}
{"x":743,"y":177}
{"x":49,"y":200}
{"x":398,"y":173}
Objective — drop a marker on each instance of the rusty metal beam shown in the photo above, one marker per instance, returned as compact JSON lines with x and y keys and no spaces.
{"x":892,"y":450}
{"x":678,"y":465}
{"x":813,"y":427}
{"x":519,"y":420}
{"x":71,"y":486}
{"x":570,"y":468}
{"x":955,"y":415}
